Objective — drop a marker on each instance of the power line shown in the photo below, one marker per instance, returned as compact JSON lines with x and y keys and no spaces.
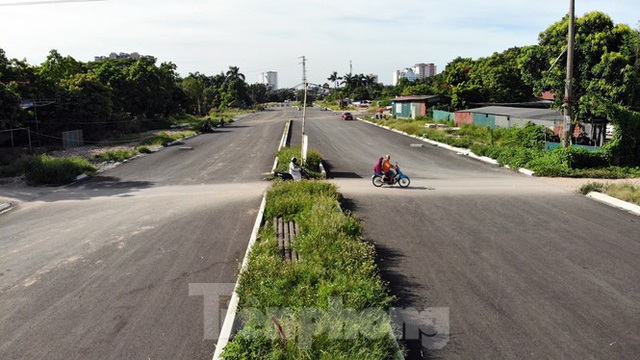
{"x":46,"y":2}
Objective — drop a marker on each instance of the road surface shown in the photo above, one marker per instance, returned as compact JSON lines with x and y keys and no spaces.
{"x":526,"y":268}
{"x":102,"y":269}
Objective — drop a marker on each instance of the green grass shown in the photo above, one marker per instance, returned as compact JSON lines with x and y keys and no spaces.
{"x":624,"y":191}
{"x":164,"y":138}
{"x":46,"y":170}
{"x":117,"y":155}
{"x":520,"y":147}
{"x":312,"y":165}
{"x":335,"y":283}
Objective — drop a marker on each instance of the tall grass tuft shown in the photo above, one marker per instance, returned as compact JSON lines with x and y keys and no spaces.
{"x":46,"y":170}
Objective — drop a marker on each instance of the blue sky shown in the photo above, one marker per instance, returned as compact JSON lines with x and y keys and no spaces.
{"x":376,"y":36}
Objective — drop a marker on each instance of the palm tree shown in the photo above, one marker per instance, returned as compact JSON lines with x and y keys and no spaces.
{"x":349,"y":80}
{"x":369,"y":81}
{"x":234,"y":74}
{"x":334,"y":78}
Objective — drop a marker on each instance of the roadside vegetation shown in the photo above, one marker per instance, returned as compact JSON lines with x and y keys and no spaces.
{"x":624,"y":191}
{"x":312,"y":166}
{"x":331,"y":304}
{"x":521,"y":148}
{"x":47,"y":170}
{"x":44,"y":169}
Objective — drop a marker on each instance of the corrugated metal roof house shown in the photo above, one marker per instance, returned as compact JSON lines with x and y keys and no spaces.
{"x":506,"y":116}
{"x":416,"y":105}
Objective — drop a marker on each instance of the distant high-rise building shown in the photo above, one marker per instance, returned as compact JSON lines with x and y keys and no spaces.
{"x":419,"y":71}
{"x":407,"y":73}
{"x":270,"y":79}
{"x":122,"y":55}
{"x":423,"y":70}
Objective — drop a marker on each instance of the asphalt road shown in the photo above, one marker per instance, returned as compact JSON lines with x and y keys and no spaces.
{"x":102,"y":269}
{"x":525,"y":268}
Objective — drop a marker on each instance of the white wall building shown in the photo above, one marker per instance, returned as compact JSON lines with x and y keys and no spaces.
{"x":407,"y":73}
{"x":419,"y":71}
{"x":270,"y":79}
{"x":423,"y":70}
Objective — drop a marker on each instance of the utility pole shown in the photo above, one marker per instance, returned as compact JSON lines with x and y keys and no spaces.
{"x":568,"y":84}
{"x":304,"y":83}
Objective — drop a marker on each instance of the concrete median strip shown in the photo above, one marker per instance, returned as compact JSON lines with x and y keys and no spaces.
{"x":228,"y":329}
{"x":617,"y":203}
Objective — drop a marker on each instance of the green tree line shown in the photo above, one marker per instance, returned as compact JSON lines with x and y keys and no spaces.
{"x":607,"y":69}
{"x":114,"y":96}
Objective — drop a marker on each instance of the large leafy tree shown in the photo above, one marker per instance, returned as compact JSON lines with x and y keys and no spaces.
{"x":499,"y":76}
{"x":606,"y":63}
{"x":9,"y":97}
{"x":58,"y":68}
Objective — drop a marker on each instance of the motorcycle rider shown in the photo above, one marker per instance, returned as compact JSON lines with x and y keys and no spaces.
{"x":387,"y":169}
{"x":294,"y":169}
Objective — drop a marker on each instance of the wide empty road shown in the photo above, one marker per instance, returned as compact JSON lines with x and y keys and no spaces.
{"x":102,"y":269}
{"x":526,"y":268}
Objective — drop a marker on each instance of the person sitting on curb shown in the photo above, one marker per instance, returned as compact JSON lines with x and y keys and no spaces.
{"x":294,"y":169}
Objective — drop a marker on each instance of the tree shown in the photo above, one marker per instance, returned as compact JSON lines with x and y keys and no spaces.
{"x":606,"y":63}
{"x":86,"y":104}
{"x":335,"y":79}
{"x":194,"y":88}
{"x":59,"y":68}
{"x":258,"y":93}
{"x":500,"y":77}
{"x":234,"y":89}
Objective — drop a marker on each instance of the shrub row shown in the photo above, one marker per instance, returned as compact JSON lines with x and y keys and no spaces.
{"x":522,"y":147}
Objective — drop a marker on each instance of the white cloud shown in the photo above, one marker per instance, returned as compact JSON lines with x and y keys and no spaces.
{"x":378,"y":36}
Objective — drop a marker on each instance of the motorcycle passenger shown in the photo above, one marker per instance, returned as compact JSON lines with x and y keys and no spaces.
{"x":294,"y":169}
{"x":387,"y":169}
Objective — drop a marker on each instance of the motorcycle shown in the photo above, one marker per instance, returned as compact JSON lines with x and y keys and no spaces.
{"x":400,"y":179}
{"x":286,"y":176}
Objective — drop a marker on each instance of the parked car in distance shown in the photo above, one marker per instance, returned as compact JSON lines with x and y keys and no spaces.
{"x":347,"y":116}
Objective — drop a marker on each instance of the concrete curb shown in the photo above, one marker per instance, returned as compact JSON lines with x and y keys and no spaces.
{"x":5,"y":207}
{"x":228,"y":327}
{"x":230,"y":318}
{"x":617,"y":203}
{"x":460,"y":151}
{"x":620,"y":204}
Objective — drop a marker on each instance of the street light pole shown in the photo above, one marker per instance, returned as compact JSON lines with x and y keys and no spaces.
{"x":568,"y":83}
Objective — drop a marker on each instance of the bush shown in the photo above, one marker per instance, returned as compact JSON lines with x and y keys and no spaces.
{"x":529,"y":136}
{"x":144,"y":149}
{"x":45,"y":170}
{"x":118,"y":155}
{"x":590,"y":187}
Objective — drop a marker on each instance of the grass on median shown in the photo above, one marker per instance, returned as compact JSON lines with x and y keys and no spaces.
{"x":624,"y":191}
{"x":312,"y":166}
{"x":336,"y":284}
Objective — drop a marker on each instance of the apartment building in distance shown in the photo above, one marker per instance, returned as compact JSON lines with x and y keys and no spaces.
{"x":122,"y":55}
{"x":270,"y":79}
{"x":418,"y":72}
